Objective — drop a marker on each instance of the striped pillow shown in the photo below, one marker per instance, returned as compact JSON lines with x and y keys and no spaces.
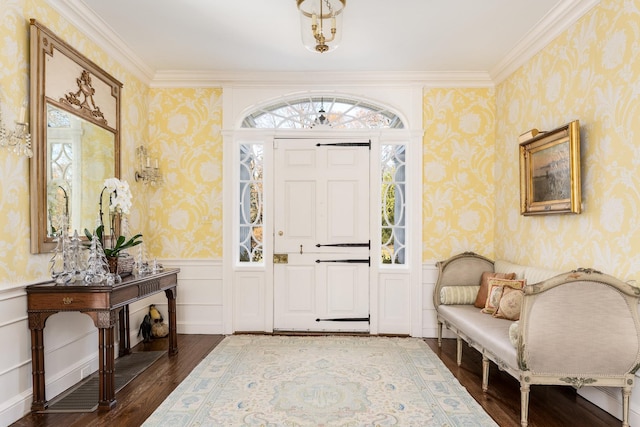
{"x":458,"y":294}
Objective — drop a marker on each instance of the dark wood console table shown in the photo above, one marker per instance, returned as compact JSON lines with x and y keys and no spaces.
{"x":102,"y":304}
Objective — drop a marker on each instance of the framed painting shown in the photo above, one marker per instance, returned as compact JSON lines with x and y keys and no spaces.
{"x":550,"y":172}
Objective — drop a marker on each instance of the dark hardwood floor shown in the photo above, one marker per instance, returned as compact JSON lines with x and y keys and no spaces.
{"x":138,"y":399}
{"x":549,"y":406}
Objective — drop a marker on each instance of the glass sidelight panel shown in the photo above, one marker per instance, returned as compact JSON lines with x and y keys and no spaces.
{"x":250,"y":242}
{"x":393,"y":206}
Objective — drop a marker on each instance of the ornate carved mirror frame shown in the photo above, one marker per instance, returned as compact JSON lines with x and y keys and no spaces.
{"x":65,"y":83}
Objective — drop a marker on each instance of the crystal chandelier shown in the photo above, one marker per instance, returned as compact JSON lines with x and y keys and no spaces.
{"x":321,"y":23}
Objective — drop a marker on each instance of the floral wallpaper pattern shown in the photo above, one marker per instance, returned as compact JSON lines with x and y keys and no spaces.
{"x":590,"y":73}
{"x":470,"y":170}
{"x":17,"y":265}
{"x":186,"y":211}
{"x":458,"y":162}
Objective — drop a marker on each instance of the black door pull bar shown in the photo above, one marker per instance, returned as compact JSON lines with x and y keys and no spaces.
{"x":346,"y":245}
{"x":350,"y":261}
{"x":346,"y":144}
{"x":346,"y":319}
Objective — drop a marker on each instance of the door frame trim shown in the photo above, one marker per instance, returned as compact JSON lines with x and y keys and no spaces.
{"x":261,"y":318}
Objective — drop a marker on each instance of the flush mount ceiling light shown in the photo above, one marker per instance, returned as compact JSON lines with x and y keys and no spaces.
{"x":321,"y":23}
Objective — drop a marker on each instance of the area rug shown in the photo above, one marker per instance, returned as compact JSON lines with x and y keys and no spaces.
{"x":256,"y":380}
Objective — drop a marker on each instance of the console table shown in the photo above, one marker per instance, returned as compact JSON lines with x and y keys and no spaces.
{"x":102,"y":304}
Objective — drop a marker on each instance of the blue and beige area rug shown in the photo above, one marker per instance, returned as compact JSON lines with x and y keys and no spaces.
{"x":255,"y":380}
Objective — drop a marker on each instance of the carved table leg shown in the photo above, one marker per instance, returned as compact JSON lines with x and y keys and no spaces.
{"x":173,"y":330}
{"x":37,"y":368}
{"x":106,"y":359}
{"x":125,"y":334}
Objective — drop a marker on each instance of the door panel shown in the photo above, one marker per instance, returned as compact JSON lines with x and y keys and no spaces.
{"x":300,"y":221}
{"x":321,"y":221}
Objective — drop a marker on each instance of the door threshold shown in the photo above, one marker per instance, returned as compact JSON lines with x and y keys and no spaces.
{"x":321,"y":333}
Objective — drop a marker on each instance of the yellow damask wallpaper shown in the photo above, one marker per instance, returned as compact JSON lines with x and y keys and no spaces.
{"x":457,"y":172}
{"x":470,"y":153}
{"x":590,"y":73}
{"x":186,"y":211}
{"x":17,"y":265}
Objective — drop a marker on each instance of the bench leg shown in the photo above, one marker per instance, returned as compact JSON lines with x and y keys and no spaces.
{"x":626,"y":392}
{"x":439,"y":334}
{"x":459,"y":351}
{"x":485,"y":373}
{"x":524,"y":404}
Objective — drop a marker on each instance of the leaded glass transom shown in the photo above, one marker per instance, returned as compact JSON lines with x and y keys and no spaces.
{"x":322,"y":112}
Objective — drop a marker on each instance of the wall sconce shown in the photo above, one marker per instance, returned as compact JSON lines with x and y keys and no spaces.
{"x":148,"y":169}
{"x":19,"y":139}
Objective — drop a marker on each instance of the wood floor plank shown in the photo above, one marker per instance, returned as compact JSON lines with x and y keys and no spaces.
{"x":549,"y":407}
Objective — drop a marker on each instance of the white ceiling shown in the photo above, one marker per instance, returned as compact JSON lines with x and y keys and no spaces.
{"x":227,"y":37}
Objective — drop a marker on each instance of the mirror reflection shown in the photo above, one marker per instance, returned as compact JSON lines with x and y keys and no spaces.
{"x":80,"y":156}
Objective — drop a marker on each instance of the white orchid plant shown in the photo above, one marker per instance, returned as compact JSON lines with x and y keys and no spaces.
{"x":120,"y":201}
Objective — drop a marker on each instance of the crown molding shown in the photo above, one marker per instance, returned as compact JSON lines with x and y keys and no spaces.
{"x":559,"y":19}
{"x":178,"y":78}
{"x":86,"y":21}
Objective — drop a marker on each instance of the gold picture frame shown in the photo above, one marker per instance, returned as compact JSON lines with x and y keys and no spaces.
{"x":550,"y":172}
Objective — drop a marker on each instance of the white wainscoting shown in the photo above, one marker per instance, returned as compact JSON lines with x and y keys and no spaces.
{"x":429,"y":322}
{"x":250,"y":301}
{"x":199,"y":301}
{"x":15,"y":359}
{"x":394,"y":301}
{"x":429,"y":278}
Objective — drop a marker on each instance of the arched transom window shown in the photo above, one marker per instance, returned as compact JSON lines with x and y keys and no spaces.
{"x":322,"y":111}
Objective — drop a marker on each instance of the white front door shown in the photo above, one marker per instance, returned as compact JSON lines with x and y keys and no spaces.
{"x":321,"y":242}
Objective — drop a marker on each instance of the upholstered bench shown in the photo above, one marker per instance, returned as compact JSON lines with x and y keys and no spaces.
{"x":578,"y":328}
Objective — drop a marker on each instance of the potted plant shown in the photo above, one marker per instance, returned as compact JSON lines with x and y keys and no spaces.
{"x":119,"y":204}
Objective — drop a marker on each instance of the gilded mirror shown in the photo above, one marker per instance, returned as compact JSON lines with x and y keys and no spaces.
{"x":75,"y":128}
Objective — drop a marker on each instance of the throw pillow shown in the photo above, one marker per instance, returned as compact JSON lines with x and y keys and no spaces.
{"x":483,"y":292}
{"x":458,"y":294}
{"x":493,"y":299}
{"x":496,"y":290}
{"x":510,"y":304}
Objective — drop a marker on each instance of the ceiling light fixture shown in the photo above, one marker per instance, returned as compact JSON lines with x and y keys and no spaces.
{"x":321,"y":119}
{"x":321,"y":23}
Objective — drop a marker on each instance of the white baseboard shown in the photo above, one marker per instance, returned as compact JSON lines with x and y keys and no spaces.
{"x":610,"y":399}
{"x":15,"y":408}
{"x":193,"y":328}
{"x":20,"y":405}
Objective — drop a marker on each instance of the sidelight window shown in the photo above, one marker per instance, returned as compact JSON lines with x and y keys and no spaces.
{"x":393,"y":212}
{"x":324,"y":112}
{"x":251,"y":203}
